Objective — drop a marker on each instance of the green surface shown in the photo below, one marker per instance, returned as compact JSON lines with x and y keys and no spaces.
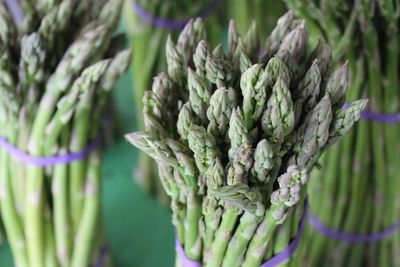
{"x":139,"y":230}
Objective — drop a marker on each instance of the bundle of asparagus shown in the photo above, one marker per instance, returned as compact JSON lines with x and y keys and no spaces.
{"x":148,"y":24}
{"x":359,"y":197}
{"x":234,"y":135}
{"x":57,"y":69}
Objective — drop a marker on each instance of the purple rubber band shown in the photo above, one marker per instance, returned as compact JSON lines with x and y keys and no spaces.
{"x":349,"y":237}
{"x":172,"y":24}
{"x":186,"y":262}
{"x":47,"y":161}
{"x":390,"y":118}
{"x":381,"y":117}
{"x":101,"y":258}
{"x":273,"y":262}
{"x":16,"y":11}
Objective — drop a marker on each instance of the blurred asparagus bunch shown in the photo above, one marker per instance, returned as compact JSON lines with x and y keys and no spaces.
{"x":235,"y":133}
{"x":147,"y":41}
{"x":358,"y":191}
{"x":57,"y":69}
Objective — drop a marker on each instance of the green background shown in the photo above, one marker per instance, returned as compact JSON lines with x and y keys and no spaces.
{"x":139,"y":230}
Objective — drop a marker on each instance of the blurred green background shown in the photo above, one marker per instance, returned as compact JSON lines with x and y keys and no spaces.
{"x":139,"y":230}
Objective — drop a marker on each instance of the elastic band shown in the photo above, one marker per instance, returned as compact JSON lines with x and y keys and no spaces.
{"x":16,"y":11}
{"x":186,"y":262}
{"x":102,"y":255}
{"x":172,"y":24}
{"x":273,"y":262}
{"x":349,"y":237}
{"x":389,"y":118}
{"x":47,"y":161}
{"x":381,"y":117}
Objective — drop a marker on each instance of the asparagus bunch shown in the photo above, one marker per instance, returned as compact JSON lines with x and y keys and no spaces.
{"x":364,"y":199}
{"x":235,"y":133}
{"x":147,"y":40}
{"x":57,"y":70}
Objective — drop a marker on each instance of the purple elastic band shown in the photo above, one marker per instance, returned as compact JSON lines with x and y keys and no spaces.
{"x":273,"y":262}
{"x":186,"y":262}
{"x":381,"y":117}
{"x":100,"y":259}
{"x":389,"y":118}
{"x":47,"y":161}
{"x":16,"y":11}
{"x":172,"y":24}
{"x":352,"y":238}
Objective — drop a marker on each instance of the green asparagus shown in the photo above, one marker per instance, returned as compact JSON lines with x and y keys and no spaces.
{"x":246,"y":136}
{"x":367,"y":34}
{"x":56,"y":72}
